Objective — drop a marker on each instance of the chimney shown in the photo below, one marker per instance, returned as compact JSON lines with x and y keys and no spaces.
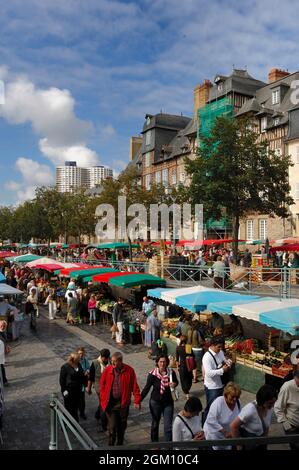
{"x":135,"y":144}
{"x":201,"y":96}
{"x":276,"y":74}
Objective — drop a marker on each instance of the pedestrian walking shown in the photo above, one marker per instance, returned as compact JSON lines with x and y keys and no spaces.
{"x":118,"y":320}
{"x":255,"y":418}
{"x":186,"y":373}
{"x":286,"y":407}
{"x":92,"y":304}
{"x":161,"y":379}
{"x":214,"y":366}
{"x":84,"y":362}
{"x":118,"y":382}
{"x":72,"y":379}
{"x":96,"y":370}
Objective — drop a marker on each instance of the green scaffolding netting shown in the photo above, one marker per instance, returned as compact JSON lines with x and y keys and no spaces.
{"x":210,"y":112}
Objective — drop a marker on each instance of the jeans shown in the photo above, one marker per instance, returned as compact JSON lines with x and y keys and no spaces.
{"x":211,"y":395}
{"x":157,"y":409}
{"x":119,"y":333}
{"x":92,"y":315}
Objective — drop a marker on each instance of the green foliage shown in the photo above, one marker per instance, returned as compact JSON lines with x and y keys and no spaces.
{"x":234,"y":174}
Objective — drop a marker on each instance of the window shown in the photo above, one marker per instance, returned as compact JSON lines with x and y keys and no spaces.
{"x":276,"y":121}
{"x":220,"y":87}
{"x":249,"y":229}
{"x":148,"y":182}
{"x":158,"y":177}
{"x":277,"y":152}
{"x":263,"y":229}
{"x":297,"y":191}
{"x":263,"y":124}
{"x":275,"y":97}
{"x":147,"y":159}
{"x":182,"y":177}
{"x":174,"y":178}
{"x":297,"y":153}
{"x":165,"y":176}
{"x":148,"y":120}
{"x":148,"y":136}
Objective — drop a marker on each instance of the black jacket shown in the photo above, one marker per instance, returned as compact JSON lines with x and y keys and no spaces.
{"x":118,"y":314}
{"x":155,"y":382}
{"x":72,"y":380}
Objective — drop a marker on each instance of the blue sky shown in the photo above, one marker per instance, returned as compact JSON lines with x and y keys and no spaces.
{"x":81,"y":74}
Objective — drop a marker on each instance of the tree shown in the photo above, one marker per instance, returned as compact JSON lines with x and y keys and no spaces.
{"x":234,"y":175}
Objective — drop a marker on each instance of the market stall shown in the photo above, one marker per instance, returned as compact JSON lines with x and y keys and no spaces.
{"x":269,"y":326}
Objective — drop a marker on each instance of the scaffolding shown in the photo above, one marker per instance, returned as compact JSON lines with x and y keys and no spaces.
{"x":210,"y":112}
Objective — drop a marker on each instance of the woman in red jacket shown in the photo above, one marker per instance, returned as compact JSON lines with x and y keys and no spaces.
{"x":117,"y":383}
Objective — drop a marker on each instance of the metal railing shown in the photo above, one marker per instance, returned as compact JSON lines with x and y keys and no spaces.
{"x":281,"y":282}
{"x":60,"y":416}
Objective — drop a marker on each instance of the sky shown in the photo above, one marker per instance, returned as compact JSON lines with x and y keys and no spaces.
{"x":80,"y":75}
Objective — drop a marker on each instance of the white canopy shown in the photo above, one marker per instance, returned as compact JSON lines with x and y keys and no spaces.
{"x":252,"y":310}
{"x":5,"y":289}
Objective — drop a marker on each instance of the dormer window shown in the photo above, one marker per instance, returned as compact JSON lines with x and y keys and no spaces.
{"x":220,"y":87}
{"x":148,"y":120}
{"x":264,"y":124}
{"x":275,"y":96}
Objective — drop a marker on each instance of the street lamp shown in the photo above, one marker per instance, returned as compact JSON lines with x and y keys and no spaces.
{"x":169,"y":193}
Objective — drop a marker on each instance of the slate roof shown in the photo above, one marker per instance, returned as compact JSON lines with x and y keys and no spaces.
{"x":239,"y":82}
{"x":166,"y":121}
{"x":263,"y":101}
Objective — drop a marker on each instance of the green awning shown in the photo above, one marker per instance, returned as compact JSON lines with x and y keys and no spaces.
{"x":137,"y":280}
{"x":24,"y":258}
{"x":89,"y":272}
{"x":116,"y":246}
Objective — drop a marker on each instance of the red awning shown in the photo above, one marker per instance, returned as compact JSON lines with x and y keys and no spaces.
{"x":210,"y":242}
{"x":159,"y":243}
{"x":66,"y":271}
{"x":290,"y":247}
{"x":48,"y":267}
{"x":105,"y":277}
{"x":7,"y":254}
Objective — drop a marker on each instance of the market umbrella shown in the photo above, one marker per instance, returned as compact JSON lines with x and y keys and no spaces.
{"x":137,"y":280}
{"x":90,"y":272}
{"x":43,"y":260}
{"x":107,"y":276}
{"x":24,"y":258}
{"x":116,"y":246}
{"x":253,"y":310}
{"x":7,"y":254}
{"x":5,"y":289}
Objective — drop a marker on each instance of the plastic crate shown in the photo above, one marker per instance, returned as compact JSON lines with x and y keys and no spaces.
{"x":280,"y":371}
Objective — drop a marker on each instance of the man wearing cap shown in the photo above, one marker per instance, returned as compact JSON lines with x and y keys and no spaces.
{"x":286,"y":407}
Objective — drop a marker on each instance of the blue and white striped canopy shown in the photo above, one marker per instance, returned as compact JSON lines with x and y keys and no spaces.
{"x":194,"y":298}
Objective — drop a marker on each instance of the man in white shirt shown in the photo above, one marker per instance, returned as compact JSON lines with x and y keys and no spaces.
{"x":214,"y":365}
{"x":286,"y":407}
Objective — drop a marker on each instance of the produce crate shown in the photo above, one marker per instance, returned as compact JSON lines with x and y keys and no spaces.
{"x":280,"y":371}
{"x":260,"y":355}
{"x":258,"y":366}
{"x":249,"y":363}
{"x":240,"y":360}
{"x":267,"y":369}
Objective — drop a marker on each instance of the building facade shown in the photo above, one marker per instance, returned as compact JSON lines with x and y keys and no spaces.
{"x":70,"y":176}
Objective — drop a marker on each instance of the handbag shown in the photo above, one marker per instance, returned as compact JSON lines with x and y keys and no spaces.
{"x":174,"y":391}
{"x":114,"y":328}
{"x":190,"y":362}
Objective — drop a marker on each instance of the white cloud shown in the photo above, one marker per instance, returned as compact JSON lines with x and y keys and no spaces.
{"x":52,"y":116}
{"x":107,"y":132}
{"x":33,"y":174}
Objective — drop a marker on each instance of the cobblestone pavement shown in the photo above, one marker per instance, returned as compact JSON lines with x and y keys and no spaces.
{"x":33,"y":367}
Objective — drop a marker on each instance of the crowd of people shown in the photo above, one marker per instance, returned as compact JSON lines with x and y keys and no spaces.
{"x":114,"y":381}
